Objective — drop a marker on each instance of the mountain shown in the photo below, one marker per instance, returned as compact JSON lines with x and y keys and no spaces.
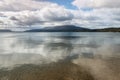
{"x":107,"y":30}
{"x":5,"y":30}
{"x":65,"y":28}
{"x":72,"y":28}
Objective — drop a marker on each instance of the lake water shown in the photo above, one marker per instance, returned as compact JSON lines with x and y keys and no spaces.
{"x":33,"y":56}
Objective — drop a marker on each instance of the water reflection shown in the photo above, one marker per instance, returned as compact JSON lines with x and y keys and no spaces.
{"x":94,"y":51}
{"x":42,"y":47}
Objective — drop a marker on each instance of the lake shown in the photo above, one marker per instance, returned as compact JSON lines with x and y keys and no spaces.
{"x":60,"y":56}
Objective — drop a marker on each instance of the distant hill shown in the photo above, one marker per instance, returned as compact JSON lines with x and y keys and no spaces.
{"x":107,"y":30}
{"x":65,"y":28}
{"x":5,"y":30}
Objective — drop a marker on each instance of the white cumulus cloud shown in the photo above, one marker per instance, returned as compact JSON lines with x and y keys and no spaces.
{"x":46,"y":15}
{"x":40,"y":13}
{"x":97,"y":3}
{"x":19,"y":5}
{"x":97,"y":18}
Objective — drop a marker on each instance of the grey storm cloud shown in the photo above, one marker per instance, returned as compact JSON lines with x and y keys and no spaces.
{"x":1,"y":22}
{"x":28,"y":22}
{"x":2,"y":15}
{"x":14,"y":18}
{"x":117,"y":19}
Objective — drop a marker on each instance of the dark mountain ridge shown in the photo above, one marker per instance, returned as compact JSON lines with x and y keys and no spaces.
{"x":66,"y":28}
{"x":5,"y":30}
{"x":107,"y":30}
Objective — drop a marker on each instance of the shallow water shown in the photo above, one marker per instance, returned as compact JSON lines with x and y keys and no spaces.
{"x":96,"y":54}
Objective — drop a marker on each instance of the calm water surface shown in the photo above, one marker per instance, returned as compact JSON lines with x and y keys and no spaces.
{"x":97,"y":53}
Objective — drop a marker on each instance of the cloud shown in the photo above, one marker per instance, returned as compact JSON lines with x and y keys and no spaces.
{"x":96,"y":3}
{"x":16,"y":13}
{"x":1,"y":22}
{"x":20,"y":5}
{"x":97,"y":18}
{"x":44,"y":16}
{"x":32,"y":12}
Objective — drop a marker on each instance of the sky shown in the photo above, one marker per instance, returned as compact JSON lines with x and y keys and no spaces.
{"x":25,"y":14}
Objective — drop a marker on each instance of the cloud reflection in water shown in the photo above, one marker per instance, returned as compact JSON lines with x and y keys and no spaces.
{"x":39,"y":48}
